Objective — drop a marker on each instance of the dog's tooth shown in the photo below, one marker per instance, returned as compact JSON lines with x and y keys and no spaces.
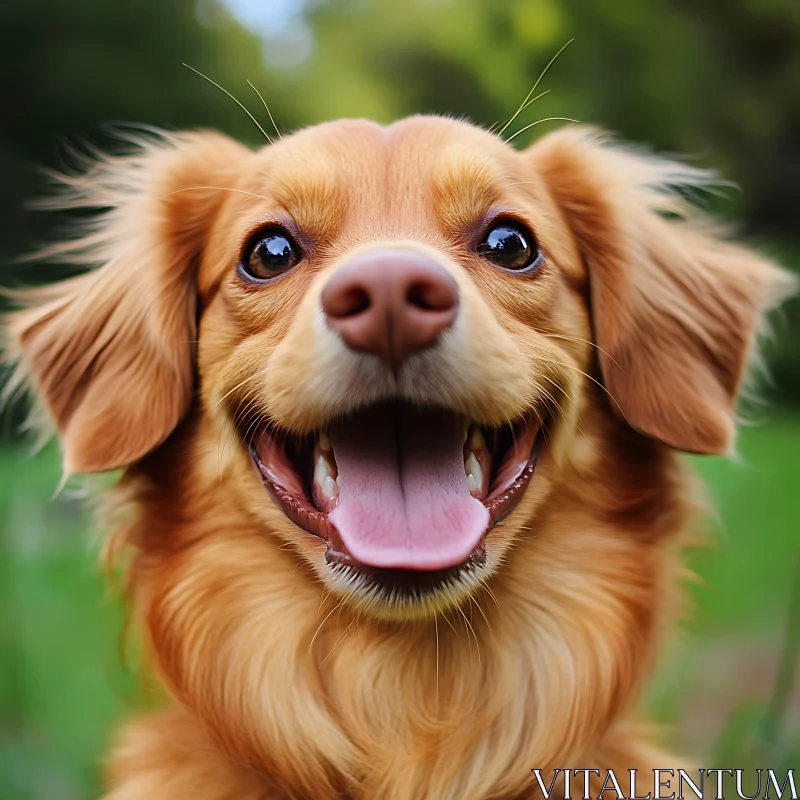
{"x":321,"y":472}
{"x":325,"y":482}
{"x":325,"y":442}
{"x":330,"y":488}
{"x":474,"y":474}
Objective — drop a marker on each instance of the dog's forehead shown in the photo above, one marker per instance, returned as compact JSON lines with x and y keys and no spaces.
{"x":355,"y":171}
{"x":354,"y":145}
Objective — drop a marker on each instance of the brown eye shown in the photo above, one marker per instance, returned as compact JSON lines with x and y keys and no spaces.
{"x":510,"y":246}
{"x":272,"y":253}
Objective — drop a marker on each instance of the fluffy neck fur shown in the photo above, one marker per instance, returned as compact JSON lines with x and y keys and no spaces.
{"x":540,"y":670}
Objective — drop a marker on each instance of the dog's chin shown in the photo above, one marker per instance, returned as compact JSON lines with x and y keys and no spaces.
{"x":403,"y":498}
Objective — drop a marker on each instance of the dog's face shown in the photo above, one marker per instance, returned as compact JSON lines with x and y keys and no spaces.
{"x":402,"y":336}
{"x":391,"y":338}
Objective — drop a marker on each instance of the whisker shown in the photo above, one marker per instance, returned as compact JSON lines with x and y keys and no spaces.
{"x":214,"y":83}
{"x":252,"y":404}
{"x":238,"y":386}
{"x":325,"y":594}
{"x":339,"y":615}
{"x":452,"y":627}
{"x":578,"y":339}
{"x":243,"y":411}
{"x":485,"y":618}
{"x":339,"y":641}
{"x":474,"y":635}
{"x":469,"y":640}
{"x":436,"y":629}
{"x":524,"y":105}
{"x":485,"y":585}
{"x":569,"y":399}
{"x":534,"y":99}
{"x":228,"y":428}
{"x":319,"y":628}
{"x":220,"y":446}
{"x":269,"y":113}
{"x":551,"y":397}
{"x":240,"y":416}
{"x":296,"y":583}
{"x":358,"y":638}
{"x":593,"y":380}
{"x":237,"y":417}
{"x":535,"y":86}
{"x":539,"y":122}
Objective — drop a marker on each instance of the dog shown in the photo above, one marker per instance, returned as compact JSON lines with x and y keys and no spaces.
{"x":398,"y":412}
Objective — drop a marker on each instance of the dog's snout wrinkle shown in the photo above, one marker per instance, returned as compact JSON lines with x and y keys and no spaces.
{"x":390,"y":303}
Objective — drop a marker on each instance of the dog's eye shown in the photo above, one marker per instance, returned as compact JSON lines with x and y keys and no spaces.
{"x":271,"y":254}
{"x":510,"y":246}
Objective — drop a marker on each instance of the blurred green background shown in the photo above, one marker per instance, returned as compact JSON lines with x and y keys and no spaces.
{"x":717,"y":79}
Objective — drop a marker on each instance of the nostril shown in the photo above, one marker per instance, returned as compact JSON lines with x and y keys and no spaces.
{"x":432,"y":295}
{"x":346,"y":301}
{"x":355,"y":301}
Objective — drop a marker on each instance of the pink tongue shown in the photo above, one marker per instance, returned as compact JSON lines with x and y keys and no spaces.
{"x":403,"y":496}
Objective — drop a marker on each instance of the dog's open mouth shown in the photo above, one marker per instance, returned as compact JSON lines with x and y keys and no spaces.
{"x":400,"y":492}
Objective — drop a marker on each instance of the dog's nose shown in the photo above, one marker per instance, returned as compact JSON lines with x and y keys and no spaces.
{"x":390,"y":303}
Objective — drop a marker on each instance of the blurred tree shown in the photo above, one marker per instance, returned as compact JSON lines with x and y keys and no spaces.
{"x":715,"y":78}
{"x":718,"y":79}
{"x":67,"y":69}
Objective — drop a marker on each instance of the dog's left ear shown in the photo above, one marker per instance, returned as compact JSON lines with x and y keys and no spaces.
{"x":110,"y":352}
{"x":674,"y":307}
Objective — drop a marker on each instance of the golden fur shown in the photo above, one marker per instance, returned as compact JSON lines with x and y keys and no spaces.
{"x":284,"y":683}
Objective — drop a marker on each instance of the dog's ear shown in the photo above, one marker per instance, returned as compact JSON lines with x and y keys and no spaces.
{"x":675,"y":308}
{"x":110,"y":352}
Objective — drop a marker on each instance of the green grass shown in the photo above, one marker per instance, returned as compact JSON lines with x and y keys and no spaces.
{"x":62,"y":685}
{"x":716,"y":682}
{"x":61,"y":680}
{"x":749,"y":571}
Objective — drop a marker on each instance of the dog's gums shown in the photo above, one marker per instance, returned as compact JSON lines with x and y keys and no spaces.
{"x":403,"y":497}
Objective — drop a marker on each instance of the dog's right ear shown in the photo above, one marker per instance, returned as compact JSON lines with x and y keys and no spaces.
{"x":111,"y":352}
{"x":675,"y":305}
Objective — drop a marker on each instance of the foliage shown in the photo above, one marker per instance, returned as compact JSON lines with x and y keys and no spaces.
{"x":719,"y":79}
